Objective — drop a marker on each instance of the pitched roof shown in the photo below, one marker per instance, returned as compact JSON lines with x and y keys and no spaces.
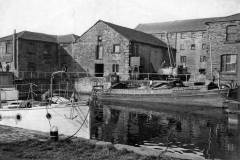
{"x":137,"y":36}
{"x":233,"y":17}
{"x":69,"y":38}
{"x":175,"y":26}
{"x":42,"y":37}
{"x":32,"y":36}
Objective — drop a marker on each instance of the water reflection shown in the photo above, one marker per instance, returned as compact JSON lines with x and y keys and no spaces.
{"x":207,"y":136}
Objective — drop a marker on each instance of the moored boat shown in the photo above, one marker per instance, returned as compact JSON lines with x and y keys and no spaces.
{"x":187,"y":96}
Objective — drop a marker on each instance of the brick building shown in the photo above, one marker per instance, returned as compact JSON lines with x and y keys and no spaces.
{"x":224,"y":35}
{"x":26,"y":52}
{"x":107,"y":48}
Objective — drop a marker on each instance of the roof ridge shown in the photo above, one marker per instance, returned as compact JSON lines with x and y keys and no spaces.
{"x":129,"y":29}
{"x":181,"y":20}
{"x":135,"y":35}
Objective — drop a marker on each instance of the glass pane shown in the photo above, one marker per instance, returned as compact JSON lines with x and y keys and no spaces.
{"x":231,"y":37}
{"x":228,"y":58}
{"x":100,"y":54}
{"x":117,"y":68}
{"x":116,"y":48}
{"x":232,"y":29}
{"x":113,"y":68}
{"x":233,"y":58}
{"x":223,"y":63}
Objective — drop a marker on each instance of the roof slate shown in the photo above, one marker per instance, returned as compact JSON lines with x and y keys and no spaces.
{"x":234,"y":17}
{"x":137,"y":36}
{"x":175,"y":26}
{"x":42,"y":37}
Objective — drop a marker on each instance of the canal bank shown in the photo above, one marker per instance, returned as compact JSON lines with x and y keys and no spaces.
{"x":19,"y":144}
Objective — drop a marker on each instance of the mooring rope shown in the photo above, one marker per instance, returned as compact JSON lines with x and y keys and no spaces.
{"x":79,"y":127}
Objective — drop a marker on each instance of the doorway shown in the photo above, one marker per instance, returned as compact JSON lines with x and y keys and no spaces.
{"x":99,"y":70}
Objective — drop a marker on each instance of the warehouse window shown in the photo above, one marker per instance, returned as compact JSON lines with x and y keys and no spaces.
{"x":204,"y":46}
{"x":229,"y":63}
{"x":183,"y":59}
{"x":116,"y":48}
{"x":193,"y":35}
{"x":99,"y":52}
{"x":182,"y":47}
{"x":9,"y":48}
{"x":183,"y":35}
{"x":115,"y":68}
{"x":232,"y":34}
{"x":193,"y":46}
{"x":204,"y":34}
{"x":203,"y":58}
{"x":2,"y":48}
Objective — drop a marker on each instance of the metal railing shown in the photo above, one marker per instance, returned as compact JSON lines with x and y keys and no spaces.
{"x":129,"y":76}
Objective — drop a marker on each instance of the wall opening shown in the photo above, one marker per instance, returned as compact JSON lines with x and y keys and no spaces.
{"x":99,"y":70}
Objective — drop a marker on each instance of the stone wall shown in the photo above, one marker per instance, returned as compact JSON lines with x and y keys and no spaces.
{"x":183,"y":48}
{"x":219,"y":46}
{"x":85,"y":50}
{"x":37,"y":56}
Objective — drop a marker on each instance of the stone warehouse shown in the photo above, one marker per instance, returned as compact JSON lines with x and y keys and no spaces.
{"x":26,"y":52}
{"x":200,"y":43}
{"x":224,"y":35}
{"x":107,"y":48}
{"x":188,"y":37}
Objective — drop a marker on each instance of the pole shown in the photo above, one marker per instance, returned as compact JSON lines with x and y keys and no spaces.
{"x":210,"y":54}
{"x":0,"y":98}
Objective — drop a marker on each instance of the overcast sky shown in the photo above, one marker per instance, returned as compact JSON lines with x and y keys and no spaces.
{"x":76,"y":16}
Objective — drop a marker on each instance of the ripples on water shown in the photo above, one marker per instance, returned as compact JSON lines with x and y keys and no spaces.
{"x":211,"y":136}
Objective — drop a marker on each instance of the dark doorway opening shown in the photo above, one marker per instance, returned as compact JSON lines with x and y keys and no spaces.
{"x":99,"y":70}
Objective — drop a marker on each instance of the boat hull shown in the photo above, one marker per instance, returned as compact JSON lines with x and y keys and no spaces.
{"x":209,"y":98}
{"x":66,"y":118}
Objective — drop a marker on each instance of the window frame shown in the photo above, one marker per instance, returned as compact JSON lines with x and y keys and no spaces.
{"x":97,"y":56}
{"x":114,"y":49}
{"x":204,"y":33}
{"x":183,"y":58}
{"x":115,"y":68}
{"x":3,"y":48}
{"x":193,"y":34}
{"x":183,"y":35}
{"x":203,"y":59}
{"x":224,"y":66}
{"x":9,"y":48}
{"x":204,"y":46}
{"x":182,"y":47}
{"x":235,"y":34}
{"x":193,"y":47}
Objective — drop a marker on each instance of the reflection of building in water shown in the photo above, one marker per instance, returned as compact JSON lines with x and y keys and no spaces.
{"x":214,"y":137}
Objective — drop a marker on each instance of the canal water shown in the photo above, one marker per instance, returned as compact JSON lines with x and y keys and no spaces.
{"x":196,"y":132}
{"x":209,"y":134}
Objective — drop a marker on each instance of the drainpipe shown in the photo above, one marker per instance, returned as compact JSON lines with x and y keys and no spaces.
{"x":14,"y":49}
{"x":210,"y":52}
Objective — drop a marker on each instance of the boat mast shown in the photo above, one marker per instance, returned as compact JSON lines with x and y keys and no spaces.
{"x":169,"y":54}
